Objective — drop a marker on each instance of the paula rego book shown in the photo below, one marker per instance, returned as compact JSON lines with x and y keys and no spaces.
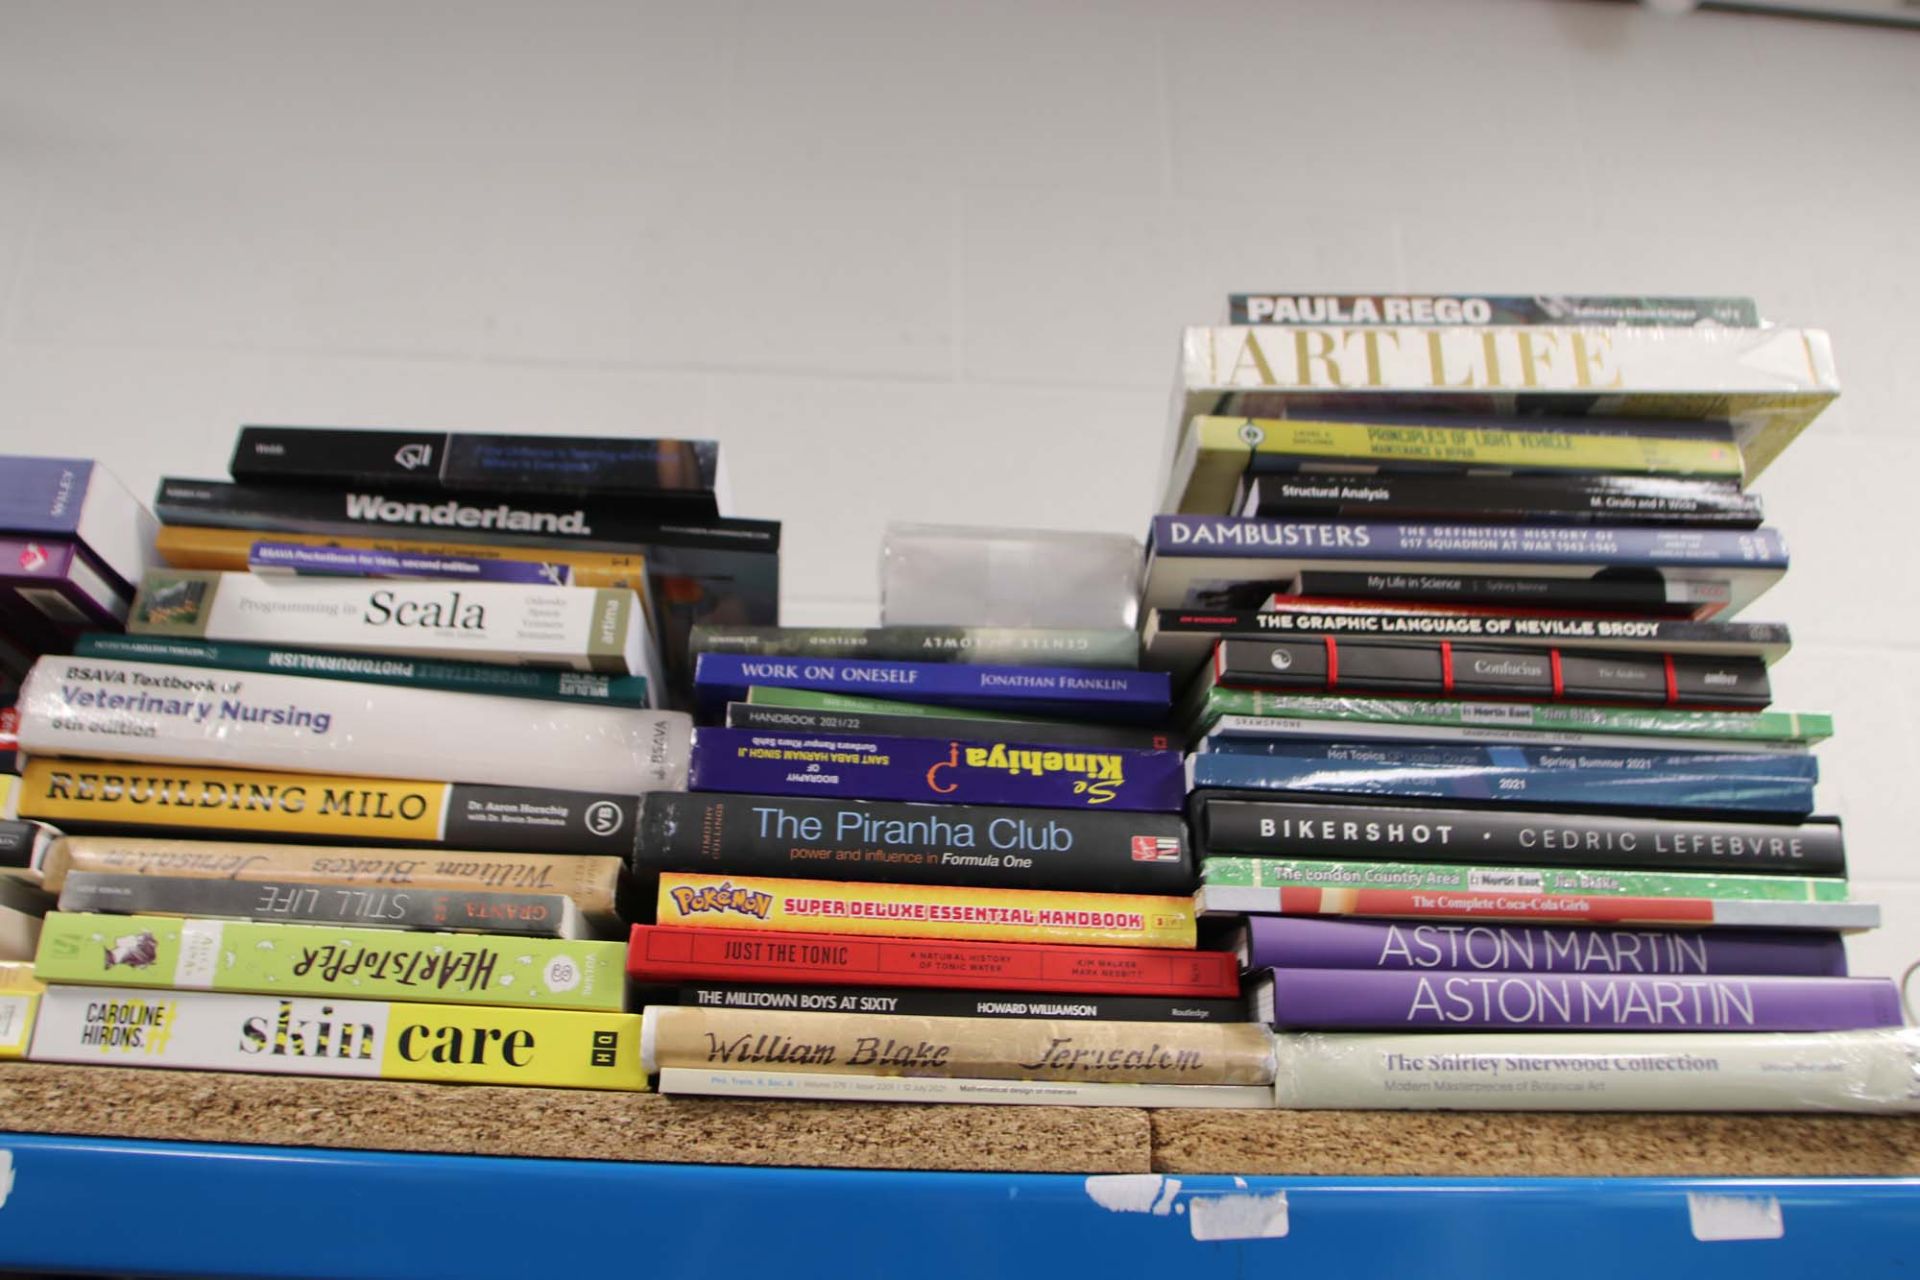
{"x":287,"y":1035}
{"x":1488,"y":309}
{"x":766,"y":904}
{"x":979,"y":1048}
{"x":328,"y":960}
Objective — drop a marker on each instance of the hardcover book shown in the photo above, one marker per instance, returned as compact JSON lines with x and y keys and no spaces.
{"x":1487,"y":309}
{"x":934,"y":1003}
{"x":374,"y":668}
{"x":80,"y":502}
{"x":189,"y":546}
{"x":1019,"y":1049}
{"x":1502,"y":907}
{"x":1072,"y":693}
{"x":1304,"y":942}
{"x":913,"y":843}
{"x":766,"y":904}
{"x":1475,"y":499}
{"x":582,"y":628}
{"x":285,"y":1035}
{"x":1545,"y":882}
{"x":49,"y":591}
{"x":665,"y":955}
{"x":155,"y":713}
{"x":330,"y":960}
{"x":533,"y":915}
{"x":1771,"y":382}
{"x":1198,"y":562}
{"x":1336,"y":999}
{"x":301,"y":560}
{"x":759,"y":717}
{"x":1758,"y":1071}
{"x":819,"y":1086}
{"x":1230,"y":733}
{"x":1281,"y":828}
{"x":592,"y":883}
{"x":1115,"y":647}
{"x":1748,"y":783}
{"x":327,"y":808}
{"x":947,"y":771}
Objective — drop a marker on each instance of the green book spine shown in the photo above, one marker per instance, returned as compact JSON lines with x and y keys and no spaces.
{"x":1278,"y":873}
{"x":418,"y":673}
{"x":814,"y":700}
{"x":1754,"y":726}
{"x":322,"y":960}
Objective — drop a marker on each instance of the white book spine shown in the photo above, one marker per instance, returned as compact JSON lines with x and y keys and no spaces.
{"x":518,"y":624}
{"x":1264,"y":728}
{"x":183,"y":715}
{"x":1865,"y":1071}
{"x":813,"y":1086}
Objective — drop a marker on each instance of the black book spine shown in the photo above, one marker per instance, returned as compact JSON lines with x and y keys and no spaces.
{"x":1505,"y":500}
{"x":1262,"y":828}
{"x":1500,"y":628}
{"x":680,"y":473}
{"x":927,"y":1002}
{"x":529,"y":915}
{"x":747,"y":715}
{"x":23,"y":844}
{"x":1645,"y":593}
{"x":1446,"y":669}
{"x":965,"y":845}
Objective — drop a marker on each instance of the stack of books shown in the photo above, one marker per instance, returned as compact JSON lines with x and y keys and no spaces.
{"x":933,"y":864}
{"x":1478,"y":745}
{"x":364,"y":805}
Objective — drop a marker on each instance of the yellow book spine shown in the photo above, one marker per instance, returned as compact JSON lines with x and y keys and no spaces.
{"x":19,"y":1001}
{"x":924,"y":911}
{"x":9,"y":795}
{"x":183,"y":797}
{"x":199,"y":547}
{"x":1472,"y":446}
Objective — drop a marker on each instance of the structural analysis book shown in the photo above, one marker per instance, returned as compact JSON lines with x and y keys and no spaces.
{"x":1476,"y":499}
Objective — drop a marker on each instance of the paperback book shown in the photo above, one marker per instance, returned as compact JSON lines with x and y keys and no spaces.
{"x":818,"y":1086}
{"x":936,"y":1003}
{"x":1445,"y":878}
{"x":1532,"y":907}
{"x":1517,"y":499}
{"x":49,"y":591}
{"x":301,"y":560}
{"x":371,"y":1039}
{"x":330,"y":960}
{"x":81,"y":503}
{"x":1053,"y":733}
{"x":1072,"y":693}
{"x":1115,"y":647}
{"x":189,"y":546}
{"x":1230,"y":733}
{"x":20,"y":995}
{"x":1487,"y":309}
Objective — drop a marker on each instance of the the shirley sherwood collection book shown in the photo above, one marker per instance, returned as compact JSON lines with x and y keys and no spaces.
{"x":1440,"y":770}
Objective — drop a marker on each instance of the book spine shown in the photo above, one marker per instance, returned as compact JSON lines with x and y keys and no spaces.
{"x":590,"y":882}
{"x":1243,"y":733}
{"x":532,"y":915}
{"x":1333,"y":999}
{"x":590,"y":688}
{"x":676,"y":471}
{"x":330,"y":960}
{"x":1573,"y":499}
{"x":1773,"y":727}
{"x":25,"y":847}
{"x":761,"y":695}
{"x":824,"y":1087}
{"x":1328,"y":665}
{"x":1521,"y":775}
{"x":370,"y":1039}
{"x":1441,"y":878}
{"x":325,"y":808}
{"x":69,"y":499}
{"x":182,"y":715}
{"x":20,"y":995}
{"x":915,"y":844}
{"x":935,"y":1003}
{"x":1279,"y":829}
{"x":1103,"y":647}
{"x":1421,"y":446}
{"x":665,"y":955}
{"x":1177,"y":537}
{"x":1649,"y":595}
{"x":1770,"y":1071}
{"x":188,"y":546}
{"x":52,"y":584}
{"x":1304,"y":942}
{"x":1532,"y":908}
{"x":1021,"y":1049}
{"x":1482,"y":309}
{"x":1089,"y":694}
{"x":763,"y":903}
{"x":767,"y":719}
{"x":300,"y":559}
{"x":586,"y":629}
{"x":1292,"y":614}
{"x":936,"y":770}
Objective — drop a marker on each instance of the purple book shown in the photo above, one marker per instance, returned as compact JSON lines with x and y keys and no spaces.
{"x":1303,"y":942}
{"x":1352,"y":1000}
{"x":937,"y":770}
{"x":47,"y":582}
{"x":353,"y":562}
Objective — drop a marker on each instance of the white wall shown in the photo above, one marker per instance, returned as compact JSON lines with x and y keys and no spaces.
{"x":919,"y":260}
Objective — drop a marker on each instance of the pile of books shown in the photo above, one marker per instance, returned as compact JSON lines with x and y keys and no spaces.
{"x":1483,"y":775}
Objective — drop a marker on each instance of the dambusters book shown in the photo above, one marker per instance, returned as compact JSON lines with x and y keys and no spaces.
{"x":583,"y":628}
{"x":766,"y":904}
{"x":1018,"y":1049}
{"x":330,"y":960}
{"x":280,"y":1034}
{"x":946,"y":771}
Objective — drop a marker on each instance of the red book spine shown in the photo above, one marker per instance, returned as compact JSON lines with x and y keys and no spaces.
{"x":659,"y":954}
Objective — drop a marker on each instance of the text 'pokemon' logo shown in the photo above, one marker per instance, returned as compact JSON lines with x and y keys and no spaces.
{"x":692,"y":900}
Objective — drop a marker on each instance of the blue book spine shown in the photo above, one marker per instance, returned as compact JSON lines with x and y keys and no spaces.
{"x":352,"y":562}
{"x":43,"y":496}
{"x":935,"y":770}
{"x":1070,"y":692}
{"x":1182,"y":537}
{"x":1522,"y":776}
